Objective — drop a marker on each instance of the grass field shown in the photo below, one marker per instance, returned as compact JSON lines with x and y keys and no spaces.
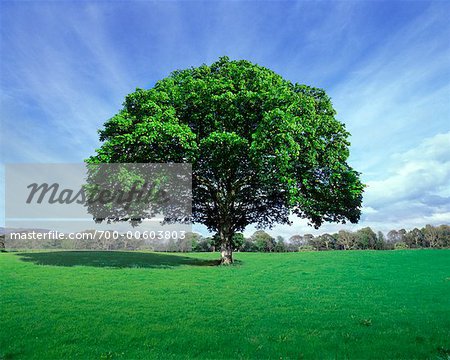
{"x":106,"y":305}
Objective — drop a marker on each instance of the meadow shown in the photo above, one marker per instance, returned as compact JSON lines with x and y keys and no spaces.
{"x":142,"y":305}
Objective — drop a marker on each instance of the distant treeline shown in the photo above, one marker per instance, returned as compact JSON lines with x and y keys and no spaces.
{"x":363,"y":239}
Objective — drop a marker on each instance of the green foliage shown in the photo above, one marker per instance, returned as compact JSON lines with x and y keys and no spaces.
{"x":346,"y":240}
{"x":414,"y":238}
{"x":366,"y":238}
{"x":280,"y":245}
{"x":2,"y":243}
{"x":260,"y":146}
{"x":306,"y":248}
{"x":203,"y":244}
{"x":248,"y":246}
{"x":381,"y":241}
{"x":263,"y":241}
{"x":400,"y":246}
{"x":237,"y":241}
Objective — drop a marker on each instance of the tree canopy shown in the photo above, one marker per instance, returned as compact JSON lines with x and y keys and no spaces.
{"x":261,"y":147}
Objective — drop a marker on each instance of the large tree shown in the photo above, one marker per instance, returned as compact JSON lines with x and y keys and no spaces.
{"x":261,"y":148}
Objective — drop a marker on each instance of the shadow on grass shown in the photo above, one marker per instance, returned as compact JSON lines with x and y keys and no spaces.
{"x":113,"y":259}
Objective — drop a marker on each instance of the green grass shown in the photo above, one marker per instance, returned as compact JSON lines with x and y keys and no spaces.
{"x":102,"y":305}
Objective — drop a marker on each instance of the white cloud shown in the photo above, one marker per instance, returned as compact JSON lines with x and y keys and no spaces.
{"x":422,"y":171}
{"x":398,"y":94}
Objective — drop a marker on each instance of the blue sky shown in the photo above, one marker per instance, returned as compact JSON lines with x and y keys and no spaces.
{"x":66,"y":67}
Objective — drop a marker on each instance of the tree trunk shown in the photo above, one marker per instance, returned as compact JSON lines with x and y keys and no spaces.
{"x":227,"y":249}
{"x":2,"y":244}
{"x":227,"y":256}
